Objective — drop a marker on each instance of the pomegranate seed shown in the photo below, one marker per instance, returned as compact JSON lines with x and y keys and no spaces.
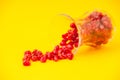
{"x":26,"y":63}
{"x":26,"y":58}
{"x":59,"y":53}
{"x":75,"y":31}
{"x":62,"y":43}
{"x":55,"y":51}
{"x":56,"y":47}
{"x":55,"y":58}
{"x":69,"y":46}
{"x":36,"y":52}
{"x":69,"y":36}
{"x":27,"y":55}
{"x":43,"y":59}
{"x":49,"y":55}
{"x":64,"y":36}
{"x":34,"y":58}
{"x":27,"y":52}
{"x":39,"y":55}
{"x":64,"y":55}
{"x":60,"y":56}
{"x":70,"y":56}
{"x":72,"y":25}
{"x":76,"y":44}
{"x":71,"y":42}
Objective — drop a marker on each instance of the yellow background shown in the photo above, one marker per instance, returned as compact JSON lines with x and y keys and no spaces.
{"x":36,"y":24}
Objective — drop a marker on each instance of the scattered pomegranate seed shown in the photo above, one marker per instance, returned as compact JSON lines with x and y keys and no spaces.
{"x":76,"y":44}
{"x":55,"y":51}
{"x":27,"y":52}
{"x":43,"y":59}
{"x":49,"y":55}
{"x":72,"y":25}
{"x":63,"y":42}
{"x":26,"y":63}
{"x":27,"y":56}
{"x":69,"y":46}
{"x":70,"y":56}
{"x":61,"y":51}
{"x":34,"y":58}
{"x":64,"y":35}
{"x":56,"y":58}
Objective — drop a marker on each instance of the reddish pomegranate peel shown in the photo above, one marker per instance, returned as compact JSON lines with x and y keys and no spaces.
{"x":95,"y":30}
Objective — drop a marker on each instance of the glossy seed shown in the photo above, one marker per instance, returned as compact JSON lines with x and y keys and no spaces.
{"x":26,"y":63}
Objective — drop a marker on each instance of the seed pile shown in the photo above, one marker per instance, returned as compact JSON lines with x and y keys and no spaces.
{"x":60,"y":52}
{"x":95,"y":30}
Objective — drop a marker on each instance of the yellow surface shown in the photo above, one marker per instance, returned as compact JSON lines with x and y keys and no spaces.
{"x":35,"y":24}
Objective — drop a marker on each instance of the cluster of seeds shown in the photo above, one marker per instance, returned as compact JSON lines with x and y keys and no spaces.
{"x":60,"y":52}
{"x":95,"y":30}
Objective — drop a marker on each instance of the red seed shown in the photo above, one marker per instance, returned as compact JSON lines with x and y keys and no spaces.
{"x":72,"y":25}
{"x":64,"y":36}
{"x":27,"y":52}
{"x":34,"y":58}
{"x":56,"y":47}
{"x":55,"y":58}
{"x":70,"y":36}
{"x":36,"y":52}
{"x":64,"y":55}
{"x":26,"y":58}
{"x":69,"y":46}
{"x":70,"y":31}
{"x":39,"y":55}
{"x":49,"y":55}
{"x":26,"y":63}
{"x":27,"y":55}
{"x":55,"y":51}
{"x":70,"y":56}
{"x":62,"y":43}
{"x":75,"y":31}
{"x":43,"y":59}
{"x":76,"y":44}
{"x":59,"y":53}
{"x":71,"y":42}
{"x":60,"y":56}
{"x":36,"y":55}
{"x":65,"y":49}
